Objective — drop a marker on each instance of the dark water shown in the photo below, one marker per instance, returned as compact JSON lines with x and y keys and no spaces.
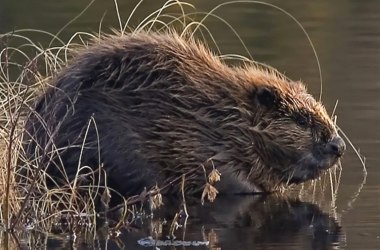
{"x":346,"y":35}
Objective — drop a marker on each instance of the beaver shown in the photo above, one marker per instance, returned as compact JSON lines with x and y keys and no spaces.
{"x":149,"y":107}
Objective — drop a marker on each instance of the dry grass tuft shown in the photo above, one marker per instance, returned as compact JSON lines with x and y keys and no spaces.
{"x":26,"y":203}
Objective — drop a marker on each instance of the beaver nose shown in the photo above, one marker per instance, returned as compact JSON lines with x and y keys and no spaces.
{"x":336,"y":146}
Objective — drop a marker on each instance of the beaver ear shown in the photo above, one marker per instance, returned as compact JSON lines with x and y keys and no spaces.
{"x":266,"y":97}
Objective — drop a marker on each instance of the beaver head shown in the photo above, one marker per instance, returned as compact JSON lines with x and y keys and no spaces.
{"x":293,"y":135}
{"x":165,"y":105}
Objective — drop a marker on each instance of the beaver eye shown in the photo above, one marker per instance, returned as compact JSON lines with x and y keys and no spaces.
{"x":302,"y":120}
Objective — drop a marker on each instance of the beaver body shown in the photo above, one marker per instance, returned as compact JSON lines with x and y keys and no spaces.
{"x":149,"y":107}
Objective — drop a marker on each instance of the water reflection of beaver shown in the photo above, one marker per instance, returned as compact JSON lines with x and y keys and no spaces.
{"x":233,"y":222}
{"x":270,"y":221}
{"x":253,"y":222}
{"x":153,"y":106}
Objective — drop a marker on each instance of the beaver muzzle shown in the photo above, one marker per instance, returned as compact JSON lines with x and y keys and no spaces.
{"x":335,"y":147}
{"x":322,"y":157}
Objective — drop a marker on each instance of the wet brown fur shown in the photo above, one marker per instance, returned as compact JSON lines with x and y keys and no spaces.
{"x":164,"y":105}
